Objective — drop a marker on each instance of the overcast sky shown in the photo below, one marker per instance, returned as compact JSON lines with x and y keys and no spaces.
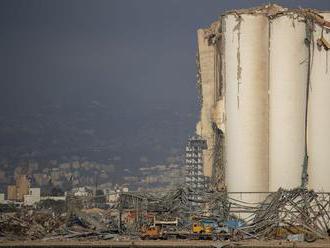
{"x":116,"y":51}
{"x":126,"y":54}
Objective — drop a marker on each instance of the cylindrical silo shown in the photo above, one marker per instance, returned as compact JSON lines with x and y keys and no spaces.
{"x":319,"y":111}
{"x":287,"y":100}
{"x":245,"y":73}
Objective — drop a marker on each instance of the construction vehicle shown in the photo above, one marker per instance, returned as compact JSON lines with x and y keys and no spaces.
{"x":204,"y":229}
{"x":209,"y":229}
{"x":199,"y":227}
{"x":159,"y":229}
{"x":152,"y":232}
{"x":284,"y":232}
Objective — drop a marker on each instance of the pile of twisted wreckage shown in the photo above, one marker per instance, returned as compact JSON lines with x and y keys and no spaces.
{"x":53,"y":220}
{"x":286,"y":214}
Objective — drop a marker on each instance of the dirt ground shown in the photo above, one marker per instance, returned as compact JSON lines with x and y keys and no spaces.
{"x":164,"y":244}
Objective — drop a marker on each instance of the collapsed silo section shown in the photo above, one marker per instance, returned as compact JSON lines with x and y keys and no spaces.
{"x":206,"y":61}
{"x":287,"y":98}
{"x":319,"y":109}
{"x":245,"y":73}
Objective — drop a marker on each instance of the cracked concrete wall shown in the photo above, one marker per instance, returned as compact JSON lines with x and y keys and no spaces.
{"x":206,"y":56}
{"x":246,"y":50}
{"x":212,"y":100}
{"x":287,"y":94}
{"x":319,"y":111}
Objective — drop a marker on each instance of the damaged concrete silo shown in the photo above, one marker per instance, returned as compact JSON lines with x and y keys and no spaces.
{"x":212,"y":102}
{"x":245,"y":39}
{"x":319,"y":107}
{"x":288,"y":75}
{"x":264,"y":80}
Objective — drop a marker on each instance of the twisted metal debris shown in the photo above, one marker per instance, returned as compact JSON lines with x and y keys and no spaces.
{"x":292,"y":208}
{"x":296,"y":211}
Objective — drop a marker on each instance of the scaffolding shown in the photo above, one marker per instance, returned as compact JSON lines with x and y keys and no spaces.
{"x":195,"y":179}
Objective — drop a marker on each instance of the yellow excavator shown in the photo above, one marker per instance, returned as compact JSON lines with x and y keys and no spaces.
{"x":199,"y":227}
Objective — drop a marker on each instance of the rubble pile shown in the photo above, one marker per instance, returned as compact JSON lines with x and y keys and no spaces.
{"x":29,"y":224}
{"x":297,"y":214}
{"x":292,"y":211}
{"x":285,"y":214}
{"x":46,"y":225}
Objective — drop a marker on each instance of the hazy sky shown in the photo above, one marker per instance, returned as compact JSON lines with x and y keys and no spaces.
{"x":120,"y":52}
{"x":126,"y":55}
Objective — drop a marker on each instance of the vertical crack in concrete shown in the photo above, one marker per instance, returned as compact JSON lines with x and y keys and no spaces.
{"x":239,"y":67}
{"x":308,"y":42}
{"x":326,"y":55}
{"x":268,"y":94}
